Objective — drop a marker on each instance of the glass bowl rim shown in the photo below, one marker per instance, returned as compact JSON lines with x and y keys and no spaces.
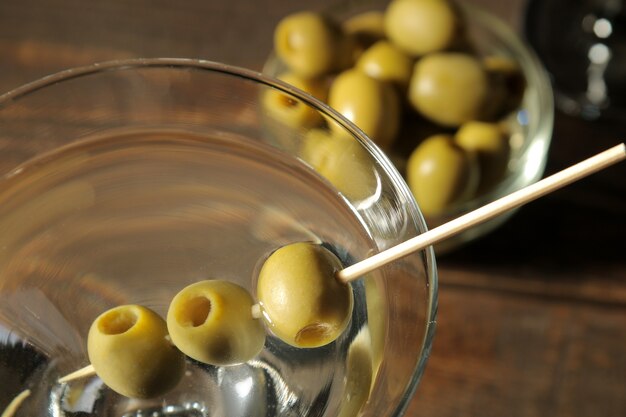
{"x":540,"y":131}
{"x":6,"y":99}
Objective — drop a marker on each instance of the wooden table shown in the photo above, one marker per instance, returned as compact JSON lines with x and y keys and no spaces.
{"x":532,"y":318}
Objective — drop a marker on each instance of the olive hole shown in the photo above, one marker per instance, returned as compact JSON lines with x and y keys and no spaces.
{"x":287,"y":101}
{"x":117,"y":321}
{"x":312,"y":334}
{"x":194,"y":312}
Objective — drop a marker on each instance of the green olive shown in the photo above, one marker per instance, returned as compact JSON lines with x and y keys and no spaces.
{"x":441,"y":174}
{"x":384,"y":62}
{"x":302,"y":301}
{"x":291,"y":111}
{"x":211,"y":321}
{"x":448,"y":88}
{"x":128,"y":346}
{"x":370,"y":104}
{"x":310,"y":44}
{"x":489,"y":142}
{"x":420,"y":27}
{"x":342,"y":161}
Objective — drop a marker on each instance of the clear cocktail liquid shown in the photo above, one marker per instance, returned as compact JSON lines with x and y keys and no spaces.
{"x":135,"y":217}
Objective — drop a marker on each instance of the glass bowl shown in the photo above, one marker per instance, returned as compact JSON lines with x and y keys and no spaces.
{"x":529,"y":124}
{"x":125,"y":181}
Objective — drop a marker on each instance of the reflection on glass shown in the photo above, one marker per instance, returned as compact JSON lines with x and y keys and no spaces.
{"x":583,"y":45}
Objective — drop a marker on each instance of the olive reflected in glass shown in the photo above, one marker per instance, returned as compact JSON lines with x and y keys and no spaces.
{"x":359,"y":375}
{"x":211,"y":321}
{"x":385,"y":62}
{"x":129,"y":348}
{"x":342,"y":161}
{"x":489,"y":142}
{"x":441,"y":175}
{"x":302,"y":301}
{"x":290,"y":110}
{"x":420,"y":27}
{"x":310,"y":44}
{"x":449,"y":88}
{"x":370,"y":104}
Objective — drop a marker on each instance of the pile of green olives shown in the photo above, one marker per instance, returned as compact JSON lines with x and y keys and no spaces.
{"x":138,"y":354}
{"x":411,"y":79}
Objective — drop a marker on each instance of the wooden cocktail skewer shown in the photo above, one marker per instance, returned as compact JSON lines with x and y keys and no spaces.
{"x":15,"y":404}
{"x":453,"y":227}
{"x":486,"y":212}
{"x":88,"y":370}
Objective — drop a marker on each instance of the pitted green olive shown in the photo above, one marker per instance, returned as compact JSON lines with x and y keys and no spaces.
{"x":370,"y":104}
{"x":303,"y":302}
{"x":342,"y":161}
{"x":419,"y":27}
{"x":310,"y":44}
{"x":211,"y":321}
{"x":384,"y":62}
{"x":448,"y":88}
{"x":441,"y":174}
{"x":128,"y":346}
{"x":291,"y":111}
{"x":489,"y":143}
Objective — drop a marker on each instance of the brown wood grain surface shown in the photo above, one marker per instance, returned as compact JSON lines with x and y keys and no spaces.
{"x":532,"y":317}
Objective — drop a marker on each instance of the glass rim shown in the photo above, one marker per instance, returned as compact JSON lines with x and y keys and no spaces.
{"x":531,"y":66}
{"x":6,"y":99}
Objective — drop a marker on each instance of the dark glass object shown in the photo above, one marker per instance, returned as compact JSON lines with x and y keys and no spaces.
{"x":582,"y":44}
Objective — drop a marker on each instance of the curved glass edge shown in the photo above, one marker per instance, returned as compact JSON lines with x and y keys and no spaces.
{"x":541,"y":122}
{"x":429,"y":335}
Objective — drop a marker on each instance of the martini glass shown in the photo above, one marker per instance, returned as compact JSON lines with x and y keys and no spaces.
{"x":125,"y":181}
